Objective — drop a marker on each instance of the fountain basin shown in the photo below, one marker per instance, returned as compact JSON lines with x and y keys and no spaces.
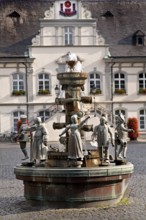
{"x":73,"y":78}
{"x":74,"y":187}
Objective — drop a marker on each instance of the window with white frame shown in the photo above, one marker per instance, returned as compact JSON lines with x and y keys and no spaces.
{"x":16,"y":117}
{"x":44,"y":115}
{"x":142,"y":119}
{"x":119,"y":82}
{"x":18,"y":82}
{"x":118,"y":112}
{"x":142,"y":81}
{"x":44,"y":82}
{"x":68,"y":35}
{"x":95,"y":82}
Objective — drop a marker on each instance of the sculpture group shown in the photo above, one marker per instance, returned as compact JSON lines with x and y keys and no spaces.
{"x":102,"y":133}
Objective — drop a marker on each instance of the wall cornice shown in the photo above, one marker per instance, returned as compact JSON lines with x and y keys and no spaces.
{"x":16,"y":60}
{"x":126,"y":59}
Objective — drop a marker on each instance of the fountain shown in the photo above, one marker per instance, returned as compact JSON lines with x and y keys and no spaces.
{"x":65,"y":181}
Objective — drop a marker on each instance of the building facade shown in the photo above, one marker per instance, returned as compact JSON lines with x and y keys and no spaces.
{"x":115,"y":63}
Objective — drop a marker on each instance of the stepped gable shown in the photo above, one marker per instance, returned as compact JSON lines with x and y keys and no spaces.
{"x":117,"y":21}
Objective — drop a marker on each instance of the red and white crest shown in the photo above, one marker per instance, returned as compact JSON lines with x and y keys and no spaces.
{"x":68,"y":9}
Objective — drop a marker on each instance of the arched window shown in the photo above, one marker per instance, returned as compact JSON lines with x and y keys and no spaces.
{"x":142,"y":118}
{"x":95,"y":82}
{"x":44,"y":115}
{"x":142,"y":83}
{"x":44,"y":83}
{"x":119,"y":82}
{"x":16,"y":117}
{"x":18,"y":82}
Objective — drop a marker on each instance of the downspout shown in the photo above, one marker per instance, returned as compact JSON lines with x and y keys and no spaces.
{"x":26,"y":85}
{"x":112,"y":86}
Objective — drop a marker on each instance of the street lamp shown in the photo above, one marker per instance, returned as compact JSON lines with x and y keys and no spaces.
{"x":94,"y":92}
{"x":57,"y":92}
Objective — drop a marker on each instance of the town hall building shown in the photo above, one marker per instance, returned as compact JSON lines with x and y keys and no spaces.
{"x":35,"y":40}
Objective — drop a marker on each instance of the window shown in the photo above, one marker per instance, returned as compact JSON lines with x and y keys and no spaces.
{"x":142,"y":118}
{"x":95,"y":82}
{"x":18,"y":82}
{"x":119,"y":81}
{"x":138,"y":38}
{"x":44,"y":83}
{"x":142,"y":83}
{"x":68,"y":35}
{"x":16,"y":117}
{"x":44,"y":115}
{"x":119,"y":111}
{"x":15,"y":16}
{"x":107,"y":14}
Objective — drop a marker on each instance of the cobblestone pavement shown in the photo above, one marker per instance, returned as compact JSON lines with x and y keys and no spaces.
{"x":14,"y":207}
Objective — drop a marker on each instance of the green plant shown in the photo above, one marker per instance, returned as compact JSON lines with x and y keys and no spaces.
{"x":98,"y":91}
{"x":18,"y":92}
{"x":133,"y":124}
{"x":120,"y":91}
{"x":142,"y":91}
{"x":43,"y":92}
{"x":124,"y":201}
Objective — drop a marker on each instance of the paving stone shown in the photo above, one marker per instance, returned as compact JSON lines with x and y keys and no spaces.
{"x":13,"y":205}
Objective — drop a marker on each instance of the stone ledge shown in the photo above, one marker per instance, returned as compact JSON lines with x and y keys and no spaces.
{"x":72,"y":172}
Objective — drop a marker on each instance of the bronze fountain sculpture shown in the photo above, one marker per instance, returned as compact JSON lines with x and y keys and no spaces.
{"x":70,"y":178}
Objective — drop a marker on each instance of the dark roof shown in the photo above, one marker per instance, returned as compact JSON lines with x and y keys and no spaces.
{"x":19,"y":24}
{"x":16,"y":32}
{"x":118,"y":31}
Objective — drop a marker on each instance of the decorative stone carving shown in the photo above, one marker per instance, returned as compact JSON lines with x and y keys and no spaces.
{"x":73,"y":63}
{"x":36,"y":40}
{"x":86,"y":13}
{"x":49,"y":14}
{"x":70,"y":59}
{"x":30,"y":70}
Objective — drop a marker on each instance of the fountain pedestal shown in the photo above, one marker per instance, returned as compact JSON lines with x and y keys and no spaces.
{"x":74,"y":187}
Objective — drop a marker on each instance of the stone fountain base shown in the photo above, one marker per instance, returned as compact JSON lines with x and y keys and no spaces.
{"x":74,"y":187}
